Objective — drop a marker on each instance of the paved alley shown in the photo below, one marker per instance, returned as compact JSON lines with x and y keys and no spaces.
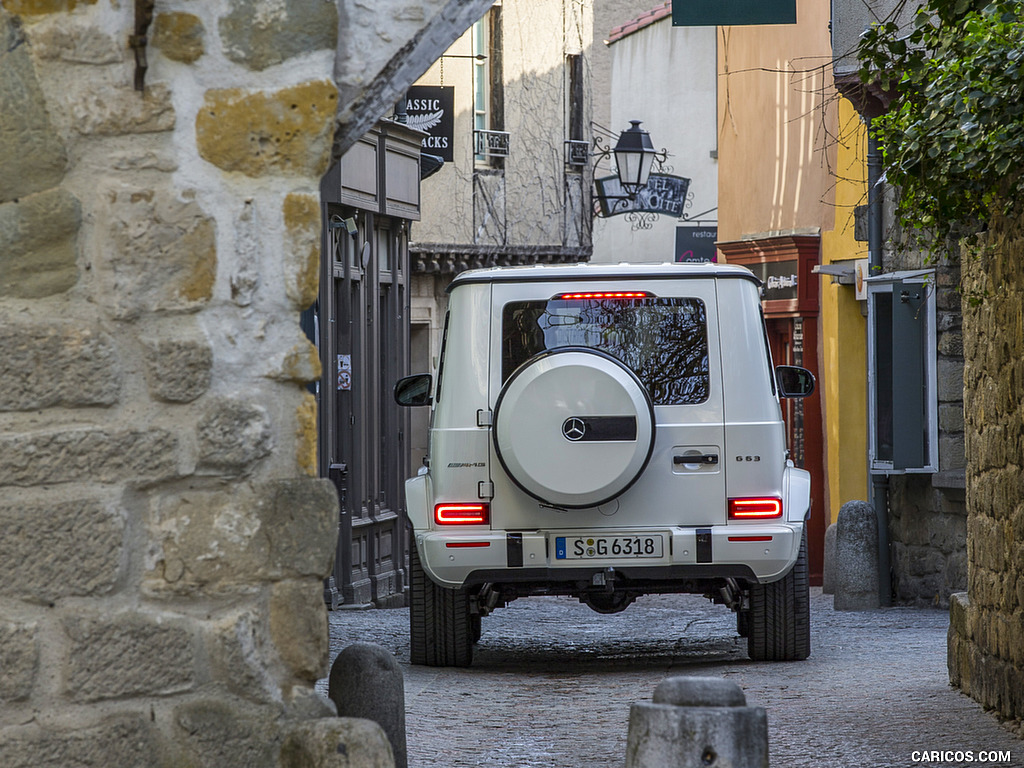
{"x":552,"y":682}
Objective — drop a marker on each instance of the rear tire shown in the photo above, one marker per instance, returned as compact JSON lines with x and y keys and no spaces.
{"x":440,"y":629}
{"x":779,"y":622}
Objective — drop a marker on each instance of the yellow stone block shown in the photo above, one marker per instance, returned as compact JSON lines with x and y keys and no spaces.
{"x":41,"y":7}
{"x":306,"y":435}
{"x":286,"y":132}
{"x":179,"y":36}
{"x":302,"y":222}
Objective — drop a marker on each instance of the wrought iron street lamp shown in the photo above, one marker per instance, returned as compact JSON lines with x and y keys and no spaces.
{"x":634,"y":157}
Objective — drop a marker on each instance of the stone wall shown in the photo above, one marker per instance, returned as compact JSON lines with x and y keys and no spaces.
{"x":164,"y":534}
{"x":928,"y":512}
{"x":986,"y":636}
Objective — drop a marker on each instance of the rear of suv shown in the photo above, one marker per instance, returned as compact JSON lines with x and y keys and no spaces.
{"x":606,"y":432}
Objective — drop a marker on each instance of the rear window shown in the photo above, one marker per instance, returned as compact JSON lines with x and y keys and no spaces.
{"x":663,"y":340}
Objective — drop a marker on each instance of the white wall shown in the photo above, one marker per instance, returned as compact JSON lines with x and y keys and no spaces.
{"x":664,"y":76}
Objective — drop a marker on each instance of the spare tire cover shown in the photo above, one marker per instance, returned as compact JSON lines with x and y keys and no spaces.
{"x":573,"y":427}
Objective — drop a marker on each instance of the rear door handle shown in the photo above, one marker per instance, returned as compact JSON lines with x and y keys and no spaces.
{"x":707,"y":458}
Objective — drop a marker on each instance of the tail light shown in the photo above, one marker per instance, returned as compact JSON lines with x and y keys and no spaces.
{"x":462,"y":514}
{"x":755,"y":509}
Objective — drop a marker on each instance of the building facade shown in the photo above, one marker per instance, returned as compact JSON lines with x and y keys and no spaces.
{"x":920,"y":499}
{"x":512,"y":192}
{"x":666,"y":77}
{"x":776,"y":205}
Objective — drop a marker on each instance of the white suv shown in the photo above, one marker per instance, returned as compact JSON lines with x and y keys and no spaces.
{"x":606,"y":432}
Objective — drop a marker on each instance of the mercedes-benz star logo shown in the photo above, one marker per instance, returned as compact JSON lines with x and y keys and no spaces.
{"x":573,"y":429}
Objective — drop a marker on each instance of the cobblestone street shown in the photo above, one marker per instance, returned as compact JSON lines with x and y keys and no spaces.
{"x":552,"y":682}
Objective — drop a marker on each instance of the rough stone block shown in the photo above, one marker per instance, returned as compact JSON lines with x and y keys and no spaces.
{"x":300,"y":364}
{"x":951,"y":417}
{"x":285,"y":132}
{"x":19,"y":660}
{"x":125,"y":741}
{"x":302,"y":254}
{"x":38,"y":235}
{"x":306,"y":436}
{"x":950,"y":379}
{"x":232,"y":436}
{"x":56,"y":364}
{"x":42,"y":7}
{"x":119,"y":110}
{"x":696,"y":722}
{"x":278,"y":32}
{"x":221,"y":732}
{"x":828,"y":577}
{"x":128,"y":654}
{"x":237,"y":644}
{"x":337,"y":742}
{"x":74,"y":40}
{"x":212,"y":541}
{"x":179,"y":36}
{"x":298,"y":627}
{"x":366,"y":682}
{"x":856,"y":558}
{"x":87,"y":455}
{"x":31,"y":153}
{"x":951,"y":452}
{"x":158,"y":251}
{"x":36,"y":560}
{"x":178,"y":370}
{"x":301,"y":525}
{"x":206,"y":542}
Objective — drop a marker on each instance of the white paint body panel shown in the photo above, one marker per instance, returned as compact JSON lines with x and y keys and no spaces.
{"x":739,"y":422}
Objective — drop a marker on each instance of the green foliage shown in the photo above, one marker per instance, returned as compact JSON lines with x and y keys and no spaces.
{"x":953,"y":137}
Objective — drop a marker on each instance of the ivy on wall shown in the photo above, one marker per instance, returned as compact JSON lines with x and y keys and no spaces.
{"x":953,"y":136}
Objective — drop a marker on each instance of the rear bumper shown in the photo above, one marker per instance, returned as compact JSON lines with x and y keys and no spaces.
{"x":762,"y":553}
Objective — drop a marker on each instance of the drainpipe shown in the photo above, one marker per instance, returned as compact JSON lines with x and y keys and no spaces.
{"x":879,"y":482}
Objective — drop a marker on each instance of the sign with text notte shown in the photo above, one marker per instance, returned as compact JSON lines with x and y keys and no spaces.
{"x":732,"y":13}
{"x":431,"y":108}
{"x":663,"y":194}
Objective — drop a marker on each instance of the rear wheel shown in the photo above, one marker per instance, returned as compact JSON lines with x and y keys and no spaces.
{"x":440,"y":626}
{"x":779,"y":622}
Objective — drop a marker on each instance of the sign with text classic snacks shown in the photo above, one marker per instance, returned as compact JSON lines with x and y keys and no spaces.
{"x":431,"y":109}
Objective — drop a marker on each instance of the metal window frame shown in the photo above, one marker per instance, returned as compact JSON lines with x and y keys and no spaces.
{"x":881,"y":284}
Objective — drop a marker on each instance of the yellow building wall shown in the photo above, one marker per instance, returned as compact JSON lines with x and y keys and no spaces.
{"x":792,"y":160}
{"x":843,"y":326}
{"x":776,"y":109}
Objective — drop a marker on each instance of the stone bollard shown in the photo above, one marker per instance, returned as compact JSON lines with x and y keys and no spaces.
{"x":366,"y":682}
{"x":856,"y":572}
{"x":828,"y":575}
{"x":695,"y":722}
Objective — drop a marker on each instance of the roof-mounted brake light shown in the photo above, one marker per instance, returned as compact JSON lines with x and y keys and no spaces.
{"x":587,"y":295}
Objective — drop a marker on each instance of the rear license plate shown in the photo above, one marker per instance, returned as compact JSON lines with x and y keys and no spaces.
{"x":605,"y":547}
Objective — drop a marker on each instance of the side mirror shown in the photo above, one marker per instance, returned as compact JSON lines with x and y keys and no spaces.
{"x":794,"y":381}
{"x":414,"y":390}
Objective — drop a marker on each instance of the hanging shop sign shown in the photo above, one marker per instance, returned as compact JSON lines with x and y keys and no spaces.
{"x":431,"y":109}
{"x":696,"y":245}
{"x":663,"y":194}
{"x":730,"y":13}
